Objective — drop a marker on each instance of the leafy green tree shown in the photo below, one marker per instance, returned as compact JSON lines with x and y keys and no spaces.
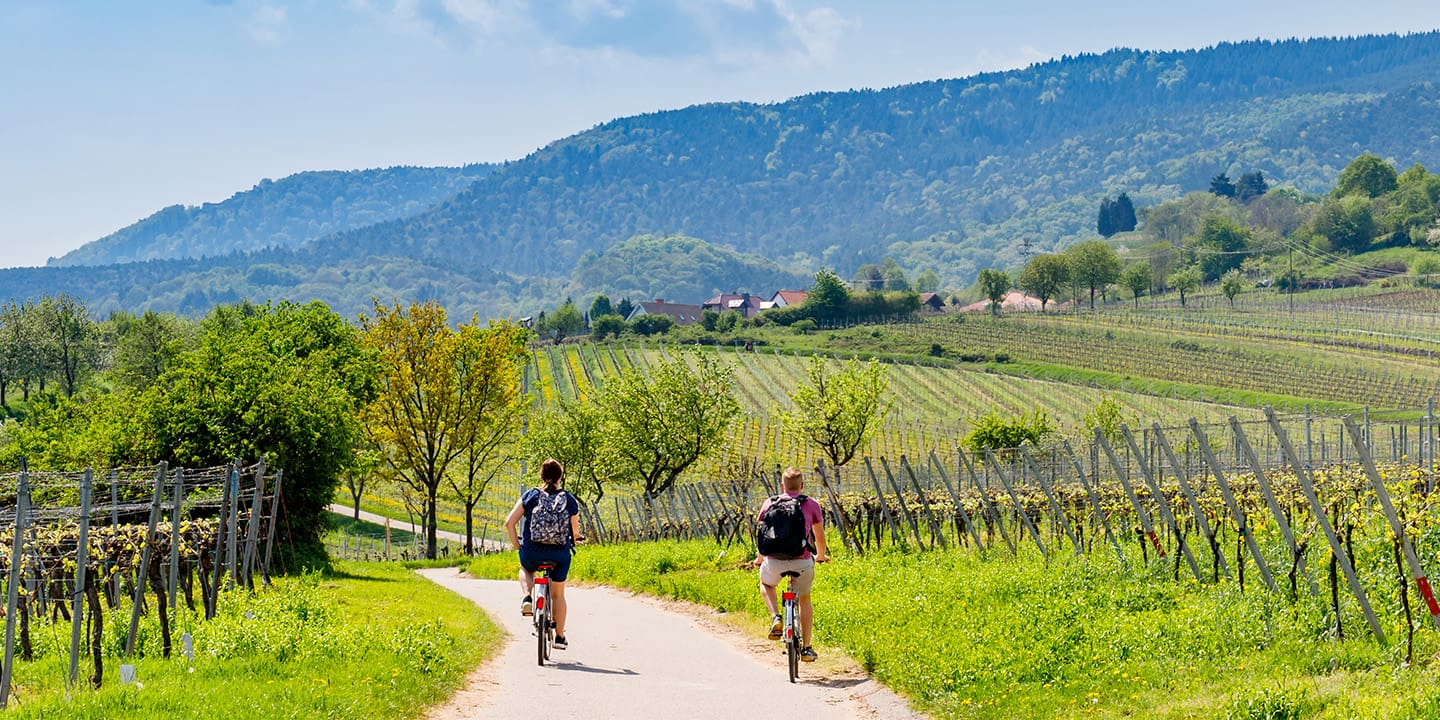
{"x":1116,"y":216}
{"x":838,"y":410}
{"x":1136,"y":278}
{"x":1346,"y":223}
{"x":600,"y":307}
{"x":993,"y":432}
{"x":895,"y":280}
{"x":565,"y":322}
{"x":611,"y":325}
{"x":624,"y":308}
{"x":285,"y":382}
{"x":69,"y":340}
{"x":573,"y":432}
{"x":1094,"y":265}
{"x":441,"y":391}
{"x":145,"y":346}
{"x":927,"y":281}
{"x":1220,"y":186}
{"x":20,"y":360}
{"x":1108,"y":416}
{"x":1044,"y":276}
{"x":828,"y":299}
{"x":1251,"y":185}
{"x":993,"y":285}
{"x":708,"y":319}
{"x":1184,"y":280}
{"x":661,"y":423}
{"x":868,"y":277}
{"x":1220,"y":246}
{"x":649,"y":324}
{"x":1367,"y":175}
{"x":1232,"y":284}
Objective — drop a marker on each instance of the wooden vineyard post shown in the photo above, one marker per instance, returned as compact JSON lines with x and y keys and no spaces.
{"x":217,"y":560}
{"x":937,"y":529}
{"x":900,"y":500}
{"x":175,"y":536}
{"x":955,"y":500}
{"x":1417,"y":573}
{"x":1275,"y":510}
{"x":1121,"y":472}
{"x":1242,"y":523}
{"x":1019,"y":507}
{"x":1055,"y":506}
{"x":1185,"y":489}
{"x":1101,"y":516}
{"x":82,"y":566}
{"x":144,"y":575}
{"x":252,"y":528}
{"x":12,"y":584}
{"x":884,"y":505}
{"x":114,"y":588}
{"x":1161,"y":503}
{"x":270,"y":532}
{"x":986,"y":503}
{"x":839,"y":510}
{"x":1308,"y":488}
{"x":232,"y":523}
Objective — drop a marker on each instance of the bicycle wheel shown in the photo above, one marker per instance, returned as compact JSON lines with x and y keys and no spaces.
{"x":792,"y":648}
{"x":792,"y":639}
{"x":540,"y":650}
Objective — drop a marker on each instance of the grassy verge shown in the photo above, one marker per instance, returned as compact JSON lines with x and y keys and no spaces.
{"x":1000,"y":638}
{"x":364,"y":640}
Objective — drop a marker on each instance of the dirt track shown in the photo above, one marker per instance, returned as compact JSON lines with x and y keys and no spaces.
{"x":634,"y":657}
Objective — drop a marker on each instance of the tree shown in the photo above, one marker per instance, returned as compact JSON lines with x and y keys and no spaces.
{"x":827,"y":299}
{"x":895,"y":280}
{"x":993,"y":432}
{"x":659,"y":424}
{"x":574,"y":433}
{"x":1347,"y":223}
{"x":1220,"y":186}
{"x":624,"y":308}
{"x":365,"y":462}
{"x":1220,"y":245}
{"x":927,"y":281}
{"x":1044,"y":276}
{"x":868,"y":277}
{"x":565,"y":322}
{"x":605,"y":325}
{"x":600,"y":307}
{"x":838,"y":410}
{"x":440,"y":390}
{"x":20,"y":360}
{"x":649,"y":324}
{"x":1184,"y":280}
{"x":1231,"y":284}
{"x":145,"y":346}
{"x":1136,"y":279}
{"x":69,"y":340}
{"x":1116,"y":216}
{"x":1251,"y":185}
{"x":993,"y":285}
{"x":284,"y":382}
{"x":1367,"y":175}
{"x":1093,"y":264}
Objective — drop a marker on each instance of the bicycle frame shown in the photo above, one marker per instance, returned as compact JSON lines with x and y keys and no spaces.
{"x":792,"y":636}
{"x":544,"y":627}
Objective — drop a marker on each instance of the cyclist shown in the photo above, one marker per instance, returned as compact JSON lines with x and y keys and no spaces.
{"x":552,"y":525}
{"x":791,"y":506}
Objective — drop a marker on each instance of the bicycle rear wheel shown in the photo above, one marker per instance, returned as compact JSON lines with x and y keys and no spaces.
{"x":541,"y":652}
{"x":792,"y":648}
{"x":792,"y":638}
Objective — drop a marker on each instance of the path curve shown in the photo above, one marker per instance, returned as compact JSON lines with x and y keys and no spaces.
{"x":634,"y":657}
{"x":349,"y":512}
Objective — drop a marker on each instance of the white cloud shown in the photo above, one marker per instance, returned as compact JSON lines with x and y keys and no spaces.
{"x":266,"y":23}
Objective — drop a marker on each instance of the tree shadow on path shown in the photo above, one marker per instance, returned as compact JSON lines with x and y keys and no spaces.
{"x":581,"y":667}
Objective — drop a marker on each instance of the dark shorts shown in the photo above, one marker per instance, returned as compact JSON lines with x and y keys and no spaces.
{"x":531,"y":556}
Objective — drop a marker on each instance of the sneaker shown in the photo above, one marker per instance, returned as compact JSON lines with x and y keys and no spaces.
{"x":560,"y":643}
{"x":808,"y":655}
{"x":527,"y":607}
{"x":777,"y":627}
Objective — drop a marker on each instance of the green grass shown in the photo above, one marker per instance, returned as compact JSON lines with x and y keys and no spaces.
{"x":999,"y":638}
{"x":362,"y":641}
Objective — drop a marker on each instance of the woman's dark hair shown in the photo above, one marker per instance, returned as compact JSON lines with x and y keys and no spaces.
{"x":551,"y":472}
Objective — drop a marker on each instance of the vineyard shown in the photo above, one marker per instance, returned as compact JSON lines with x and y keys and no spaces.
{"x":1322,"y":509}
{"x":138,"y":543}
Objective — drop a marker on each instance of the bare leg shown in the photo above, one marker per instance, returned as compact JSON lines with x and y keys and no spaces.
{"x":807,"y":618}
{"x":527,"y":581}
{"x":768,"y":592}
{"x":557,"y":606}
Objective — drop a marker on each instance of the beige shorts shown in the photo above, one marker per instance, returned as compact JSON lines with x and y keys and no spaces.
{"x":770,"y":569}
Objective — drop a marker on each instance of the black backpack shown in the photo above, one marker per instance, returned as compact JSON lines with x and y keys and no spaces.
{"x":782,"y":531}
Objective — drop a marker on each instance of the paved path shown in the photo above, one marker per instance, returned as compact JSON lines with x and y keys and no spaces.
{"x":634,"y":657}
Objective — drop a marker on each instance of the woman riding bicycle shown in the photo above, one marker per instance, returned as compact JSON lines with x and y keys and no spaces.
{"x":552,"y":525}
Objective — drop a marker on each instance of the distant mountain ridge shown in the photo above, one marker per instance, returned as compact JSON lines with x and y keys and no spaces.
{"x":949,"y":175}
{"x":285,"y":213}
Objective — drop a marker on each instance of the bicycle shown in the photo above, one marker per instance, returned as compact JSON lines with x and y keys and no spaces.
{"x":544,"y":626}
{"x":791,"y":635}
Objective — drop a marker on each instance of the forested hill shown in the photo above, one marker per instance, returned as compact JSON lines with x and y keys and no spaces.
{"x":948,"y":173}
{"x":283,"y":213}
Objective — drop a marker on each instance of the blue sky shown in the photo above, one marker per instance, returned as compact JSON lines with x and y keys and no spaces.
{"x":112,"y":110}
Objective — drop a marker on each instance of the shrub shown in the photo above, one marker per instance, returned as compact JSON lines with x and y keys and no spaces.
{"x":995,"y":433}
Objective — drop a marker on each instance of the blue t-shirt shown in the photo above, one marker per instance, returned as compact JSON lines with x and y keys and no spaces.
{"x":530,"y":499}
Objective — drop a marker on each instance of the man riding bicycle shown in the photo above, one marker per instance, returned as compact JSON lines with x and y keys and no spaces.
{"x":791,"y":526}
{"x":552,"y":525}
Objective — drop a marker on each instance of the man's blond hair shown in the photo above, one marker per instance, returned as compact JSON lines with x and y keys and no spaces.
{"x":792,"y":480}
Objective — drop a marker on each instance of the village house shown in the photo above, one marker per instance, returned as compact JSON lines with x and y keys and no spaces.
{"x":680,"y":313}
